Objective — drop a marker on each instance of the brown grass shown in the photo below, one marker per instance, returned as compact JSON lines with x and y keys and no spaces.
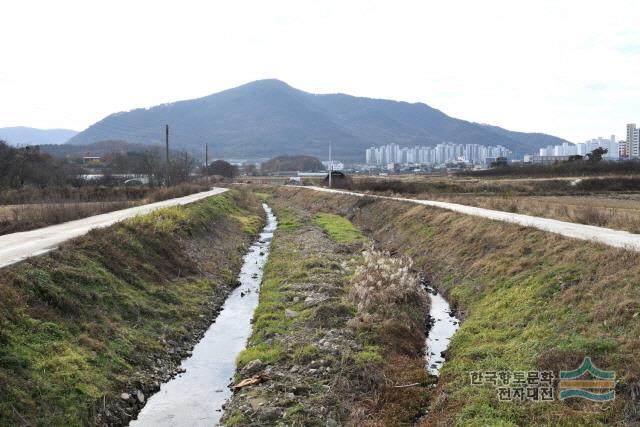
{"x":64,"y":205}
{"x":621,"y":213}
{"x":392,"y":308}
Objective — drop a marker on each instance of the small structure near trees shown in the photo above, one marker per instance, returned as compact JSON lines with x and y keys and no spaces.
{"x":338,"y":179}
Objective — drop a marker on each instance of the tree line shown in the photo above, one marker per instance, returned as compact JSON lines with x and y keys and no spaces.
{"x":29,"y":166}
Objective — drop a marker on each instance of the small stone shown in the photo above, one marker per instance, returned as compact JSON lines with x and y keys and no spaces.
{"x":269,"y":414}
{"x":331,"y":423}
{"x":140,"y":396}
{"x":290,"y":313}
{"x":125,"y":396}
{"x":253,"y":367}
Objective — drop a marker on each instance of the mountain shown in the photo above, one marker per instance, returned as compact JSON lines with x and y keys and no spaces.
{"x":268,"y":117}
{"x":21,"y":135}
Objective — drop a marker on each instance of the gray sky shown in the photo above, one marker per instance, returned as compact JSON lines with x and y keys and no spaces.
{"x":565,"y":67}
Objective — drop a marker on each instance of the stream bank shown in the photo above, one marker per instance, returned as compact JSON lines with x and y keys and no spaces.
{"x":91,"y":329}
{"x":196,"y":396}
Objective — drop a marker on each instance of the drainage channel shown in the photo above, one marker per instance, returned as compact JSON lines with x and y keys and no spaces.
{"x":195,"y":398}
{"x":443,"y":325}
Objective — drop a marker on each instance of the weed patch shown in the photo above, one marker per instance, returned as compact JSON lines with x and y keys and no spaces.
{"x":339,"y":228}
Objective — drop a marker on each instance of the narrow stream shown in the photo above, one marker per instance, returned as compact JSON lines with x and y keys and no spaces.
{"x":443,"y":325}
{"x":195,"y":398}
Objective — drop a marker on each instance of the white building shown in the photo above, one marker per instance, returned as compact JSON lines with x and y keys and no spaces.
{"x":335,"y":165}
{"x":584,"y":148}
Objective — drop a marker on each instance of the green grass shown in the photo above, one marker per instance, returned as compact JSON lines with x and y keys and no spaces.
{"x":265,"y":353}
{"x":263,"y":197}
{"x":79,"y":324}
{"x":371,"y":354}
{"x":270,"y":318}
{"x":288,"y":220}
{"x":339,"y":228}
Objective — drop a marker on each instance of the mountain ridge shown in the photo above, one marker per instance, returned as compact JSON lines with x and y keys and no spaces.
{"x":23,"y":135}
{"x":265,"y":118}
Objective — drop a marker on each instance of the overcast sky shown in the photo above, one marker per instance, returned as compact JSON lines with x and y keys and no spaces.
{"x":569,"y":68}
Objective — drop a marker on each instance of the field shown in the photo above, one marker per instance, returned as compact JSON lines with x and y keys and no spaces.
{"x":29,"y":209}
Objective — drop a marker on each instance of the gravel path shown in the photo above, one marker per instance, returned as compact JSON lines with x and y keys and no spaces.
{"x":18,"y":246}
{"x":608,"y":236}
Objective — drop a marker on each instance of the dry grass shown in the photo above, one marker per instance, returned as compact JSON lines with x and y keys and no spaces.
{"x":617,"y":213}
{"x":27,"y":217}
{"x":68,"y":204}
{"x":392,"y":307}
{"x":460,"y":185}
{"x":382,"y":284}
{"x":612,"y":202}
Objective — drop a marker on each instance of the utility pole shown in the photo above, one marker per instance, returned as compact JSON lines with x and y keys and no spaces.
{"x":186,"y":166}
{"x":330,"y":165}
{"x":166,"y":138}
{"x":206,"y":155}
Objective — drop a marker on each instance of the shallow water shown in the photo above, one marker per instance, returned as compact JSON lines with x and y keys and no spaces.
{"x":195,"y":398}
{"x":444,"y":325}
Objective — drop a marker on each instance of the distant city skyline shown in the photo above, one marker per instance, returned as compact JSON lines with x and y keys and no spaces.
{"x":569,"y":69}
{"x":437,"y":154}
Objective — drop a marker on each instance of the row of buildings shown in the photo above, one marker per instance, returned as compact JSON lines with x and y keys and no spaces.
{"x":438,"y":155}
{"x":581,"y":149}
{"x":616,"y":150}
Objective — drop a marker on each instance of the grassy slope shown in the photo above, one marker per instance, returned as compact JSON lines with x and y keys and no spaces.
{"x":531,"y":300}
{"x":80,"y":324}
